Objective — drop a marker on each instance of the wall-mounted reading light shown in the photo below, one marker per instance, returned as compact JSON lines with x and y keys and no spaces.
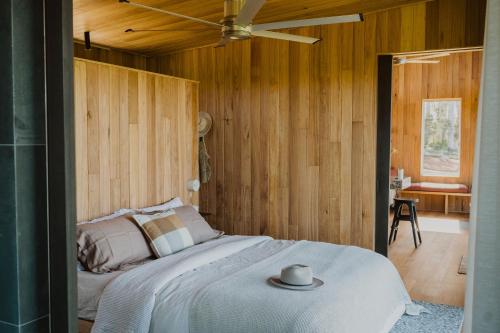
{"x":193,"y":185}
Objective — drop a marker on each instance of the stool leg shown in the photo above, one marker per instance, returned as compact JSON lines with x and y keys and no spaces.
{"x":396,"y":227}
{"x":393,"y":225}
{"x":392,"y":232}
{"x":396,"y":230}
{"x":446,"y":205}
{"x":412,"y":221}
{"x":416,"y":222}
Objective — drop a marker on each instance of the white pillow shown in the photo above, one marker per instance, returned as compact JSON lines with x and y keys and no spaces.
{"x":174,"y":203}
{"x":119,"y":212}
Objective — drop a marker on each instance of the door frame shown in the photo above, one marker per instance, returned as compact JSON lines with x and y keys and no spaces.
{"x":383,"y":155}
{"x":384,"y":116}
{"x":61,"y":164}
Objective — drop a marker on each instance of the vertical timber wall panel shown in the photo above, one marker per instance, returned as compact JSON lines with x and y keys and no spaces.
{"x":136,"y":138}
{"x":294,"y":137}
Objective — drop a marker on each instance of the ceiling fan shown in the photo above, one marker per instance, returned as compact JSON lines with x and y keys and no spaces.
{"x":425,"y":59}
{"x":238,"y":17}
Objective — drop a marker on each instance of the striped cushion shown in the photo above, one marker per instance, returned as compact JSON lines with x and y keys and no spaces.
{"x":438,"y":187}
{"x":166,"y":232}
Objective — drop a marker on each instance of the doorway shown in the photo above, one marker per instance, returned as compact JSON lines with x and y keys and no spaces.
{"x":427,"y":113}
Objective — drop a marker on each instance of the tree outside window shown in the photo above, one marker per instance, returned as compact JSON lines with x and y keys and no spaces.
{"x":441,"y":138}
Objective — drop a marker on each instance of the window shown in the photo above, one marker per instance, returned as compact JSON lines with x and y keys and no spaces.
{"x":441,"y":138}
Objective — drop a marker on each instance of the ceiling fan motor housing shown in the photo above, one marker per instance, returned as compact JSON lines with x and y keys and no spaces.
{"x":230,"y":29}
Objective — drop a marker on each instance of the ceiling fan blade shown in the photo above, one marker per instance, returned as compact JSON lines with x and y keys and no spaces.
{"x":282,"y":36}
{"x":430,"y":56}
{"x":418,"y":61}
{"x":163,"y":30}
{"x":248,"y":12}
{"x":308,"y":22}
{"x":138,"y":5}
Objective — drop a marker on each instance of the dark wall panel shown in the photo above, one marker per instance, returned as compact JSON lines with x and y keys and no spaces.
{"x":24,"y":281}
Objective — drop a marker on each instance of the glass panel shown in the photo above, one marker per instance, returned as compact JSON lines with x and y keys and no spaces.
{"x":441,"y":138}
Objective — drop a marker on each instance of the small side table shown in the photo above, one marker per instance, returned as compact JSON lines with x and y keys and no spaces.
{"x":400,"y":184}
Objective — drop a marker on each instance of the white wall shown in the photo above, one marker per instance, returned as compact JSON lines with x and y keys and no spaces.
{"x":482,"y":313}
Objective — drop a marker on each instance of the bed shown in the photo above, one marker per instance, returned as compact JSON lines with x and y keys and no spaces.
{"x":221,"y":286}
{"x":91,"y":287}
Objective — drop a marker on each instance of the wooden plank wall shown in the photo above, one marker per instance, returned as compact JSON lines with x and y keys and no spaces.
{"x":136,"y":138}
{"x":111,"y":56}
{"x":456,"y":76}
{"x":293,"y":144}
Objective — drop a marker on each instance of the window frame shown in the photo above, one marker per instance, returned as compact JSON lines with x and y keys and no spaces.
{"x":422,"y":137}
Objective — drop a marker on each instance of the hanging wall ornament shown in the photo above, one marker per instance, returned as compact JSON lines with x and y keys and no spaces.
{"x":204,"y":126}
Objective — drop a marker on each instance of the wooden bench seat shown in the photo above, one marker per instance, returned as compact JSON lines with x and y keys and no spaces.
{"x":445,"y":190}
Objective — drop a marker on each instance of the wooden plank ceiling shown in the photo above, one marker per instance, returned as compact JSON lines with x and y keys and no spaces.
{"x":107,"y":20}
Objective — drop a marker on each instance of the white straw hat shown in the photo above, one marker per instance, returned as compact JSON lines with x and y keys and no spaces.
{"x":204,"y":123}
{"x":296,"y":277}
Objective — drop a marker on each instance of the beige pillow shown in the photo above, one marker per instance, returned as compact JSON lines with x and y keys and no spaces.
{"x":175,"y":229}
{"x":108,"y":245}
{"x":200,"y":230}
{"x":172,"y":203}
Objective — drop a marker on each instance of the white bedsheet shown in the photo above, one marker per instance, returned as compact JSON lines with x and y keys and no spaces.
{"x":90,"y":288}
{"x":182,"y":293}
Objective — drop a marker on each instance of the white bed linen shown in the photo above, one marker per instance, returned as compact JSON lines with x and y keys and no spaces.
{"x":90,"y":287}
{"x":362,"y":293}
{"x":127,"y":302}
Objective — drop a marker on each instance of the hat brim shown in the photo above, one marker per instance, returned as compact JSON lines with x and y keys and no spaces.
{"x":206,"y":124}
{"x":275,"y":281}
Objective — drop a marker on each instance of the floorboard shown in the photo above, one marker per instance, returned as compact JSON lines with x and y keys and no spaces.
{"x":430,"y":272}
{"x":84,"y":326}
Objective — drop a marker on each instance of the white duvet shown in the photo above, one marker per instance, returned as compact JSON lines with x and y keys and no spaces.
{"x":221,"y":286}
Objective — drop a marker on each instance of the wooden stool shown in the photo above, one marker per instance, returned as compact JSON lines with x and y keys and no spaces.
{"x":399,"y":204}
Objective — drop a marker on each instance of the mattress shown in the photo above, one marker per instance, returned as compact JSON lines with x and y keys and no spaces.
{"x":90,"y":288}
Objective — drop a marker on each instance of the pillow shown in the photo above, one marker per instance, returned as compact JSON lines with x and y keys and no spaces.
{"x":200,"y":230}
{"x":119,"y":212}
{"x":110,"y":244}
{"x":175,"y":229}
{"x":173,"y":203}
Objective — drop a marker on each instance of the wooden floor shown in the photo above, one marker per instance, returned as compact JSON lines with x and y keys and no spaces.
{"x":430,"y":272}
{"x":84,"y":326}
